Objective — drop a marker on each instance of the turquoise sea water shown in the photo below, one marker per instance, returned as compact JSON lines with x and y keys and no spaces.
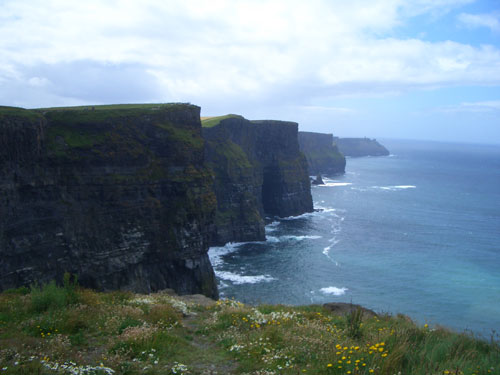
{"x":417,"y":233}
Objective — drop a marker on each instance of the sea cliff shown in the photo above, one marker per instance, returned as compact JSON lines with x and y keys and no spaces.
{"x":118,"y":195}
{"x":259,"y":170}
{"x":323,"y":156}
{"x":360,"y":147}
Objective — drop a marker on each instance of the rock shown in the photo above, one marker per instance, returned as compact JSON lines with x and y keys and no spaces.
{"x":318,"y":180}
{"x":323,"y":157}
{"x":356,"y":147}
{"x":119,"y":196}
{"x":341,"y":308}
{"x":259,"y":170}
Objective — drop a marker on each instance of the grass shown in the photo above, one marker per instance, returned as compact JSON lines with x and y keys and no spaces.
{"x":106,"y":107}
{"x":210,"y":122}
{"x":69,"y":330}
{"x":18,"y":112}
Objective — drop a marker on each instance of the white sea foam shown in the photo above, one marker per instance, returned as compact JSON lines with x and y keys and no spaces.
{"x":272,"y":226}
{"x":336,"y":184}
{"x":303,"y":216}
{"x":318,"y":211}
{"x":395,"y":187}
{"x":217,"y":252}
{"x":272,"y":239}
{"x":242,"y":279}
{"x":326,"y":250}
{"x":299,"y":238}
{"x":330,"y":182}
{"x":334,"y":290}
{"x":321,"y":209}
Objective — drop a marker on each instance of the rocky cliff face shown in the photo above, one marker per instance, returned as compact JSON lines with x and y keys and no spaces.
{"x":323,"y":157}
{"x":360,"y":147}
{"x":118,"y":195}
{"x":259,"y":171}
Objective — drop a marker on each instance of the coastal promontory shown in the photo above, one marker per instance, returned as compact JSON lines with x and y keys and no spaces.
{"x":323,"y":156}
{"x":356,"y":147}
{"x":259,"y":170}
{"x":118,"y":195}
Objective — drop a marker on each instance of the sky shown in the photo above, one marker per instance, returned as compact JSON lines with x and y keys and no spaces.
{"x":414,"y":69}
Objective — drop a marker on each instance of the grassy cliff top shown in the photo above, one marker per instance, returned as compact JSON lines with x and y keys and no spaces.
{"x":146,"y":106}
{"x":18,"y":112}
{"x":210,"y":122}
{"x":71,"y":330}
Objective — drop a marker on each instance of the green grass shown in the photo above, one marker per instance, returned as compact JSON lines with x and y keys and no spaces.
{"x":126,"y":333}
{"x":210,"y":122}
{"x":147,"y":106}
{"x":18,"y":112}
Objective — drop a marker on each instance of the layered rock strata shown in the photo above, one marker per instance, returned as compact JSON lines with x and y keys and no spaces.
{"x":259,"y":170}
{"x":118,"y":195}
{"x":323,"y":156}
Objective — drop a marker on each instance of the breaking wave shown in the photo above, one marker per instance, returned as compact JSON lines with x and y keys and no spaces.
{"x":242,"y":279}
{"x":333,"y":290}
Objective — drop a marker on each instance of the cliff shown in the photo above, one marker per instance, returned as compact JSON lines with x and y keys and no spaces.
{"x":360,"y":147}
{"x":118,"y":195}
{"x":259,"y":171}
{"x":323,"y":156}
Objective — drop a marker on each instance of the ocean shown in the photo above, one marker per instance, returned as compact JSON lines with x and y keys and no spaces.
{"x":416,"y":232}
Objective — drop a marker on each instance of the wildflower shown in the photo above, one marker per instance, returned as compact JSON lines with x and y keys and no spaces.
{"x":329,"y":365}
{"x":371,"y":370}
{"x":384,"y":355}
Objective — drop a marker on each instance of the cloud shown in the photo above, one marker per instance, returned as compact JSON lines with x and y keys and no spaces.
{"x":484,"y":106}
{"x":238,"y":53}
{"x":490,"y":21}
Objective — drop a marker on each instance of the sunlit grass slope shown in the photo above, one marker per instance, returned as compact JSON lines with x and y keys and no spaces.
{"x":69,"y":330}
{"x":209,"y":122}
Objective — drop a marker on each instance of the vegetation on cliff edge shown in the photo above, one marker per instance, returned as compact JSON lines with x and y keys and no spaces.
{"x":68,"y":330}
{"x":209,"y":122}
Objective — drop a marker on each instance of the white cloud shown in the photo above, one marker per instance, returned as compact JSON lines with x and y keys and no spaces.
{"x":490,"y":21}
{"x":233,"y":51}
{"x":484,"y":106}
